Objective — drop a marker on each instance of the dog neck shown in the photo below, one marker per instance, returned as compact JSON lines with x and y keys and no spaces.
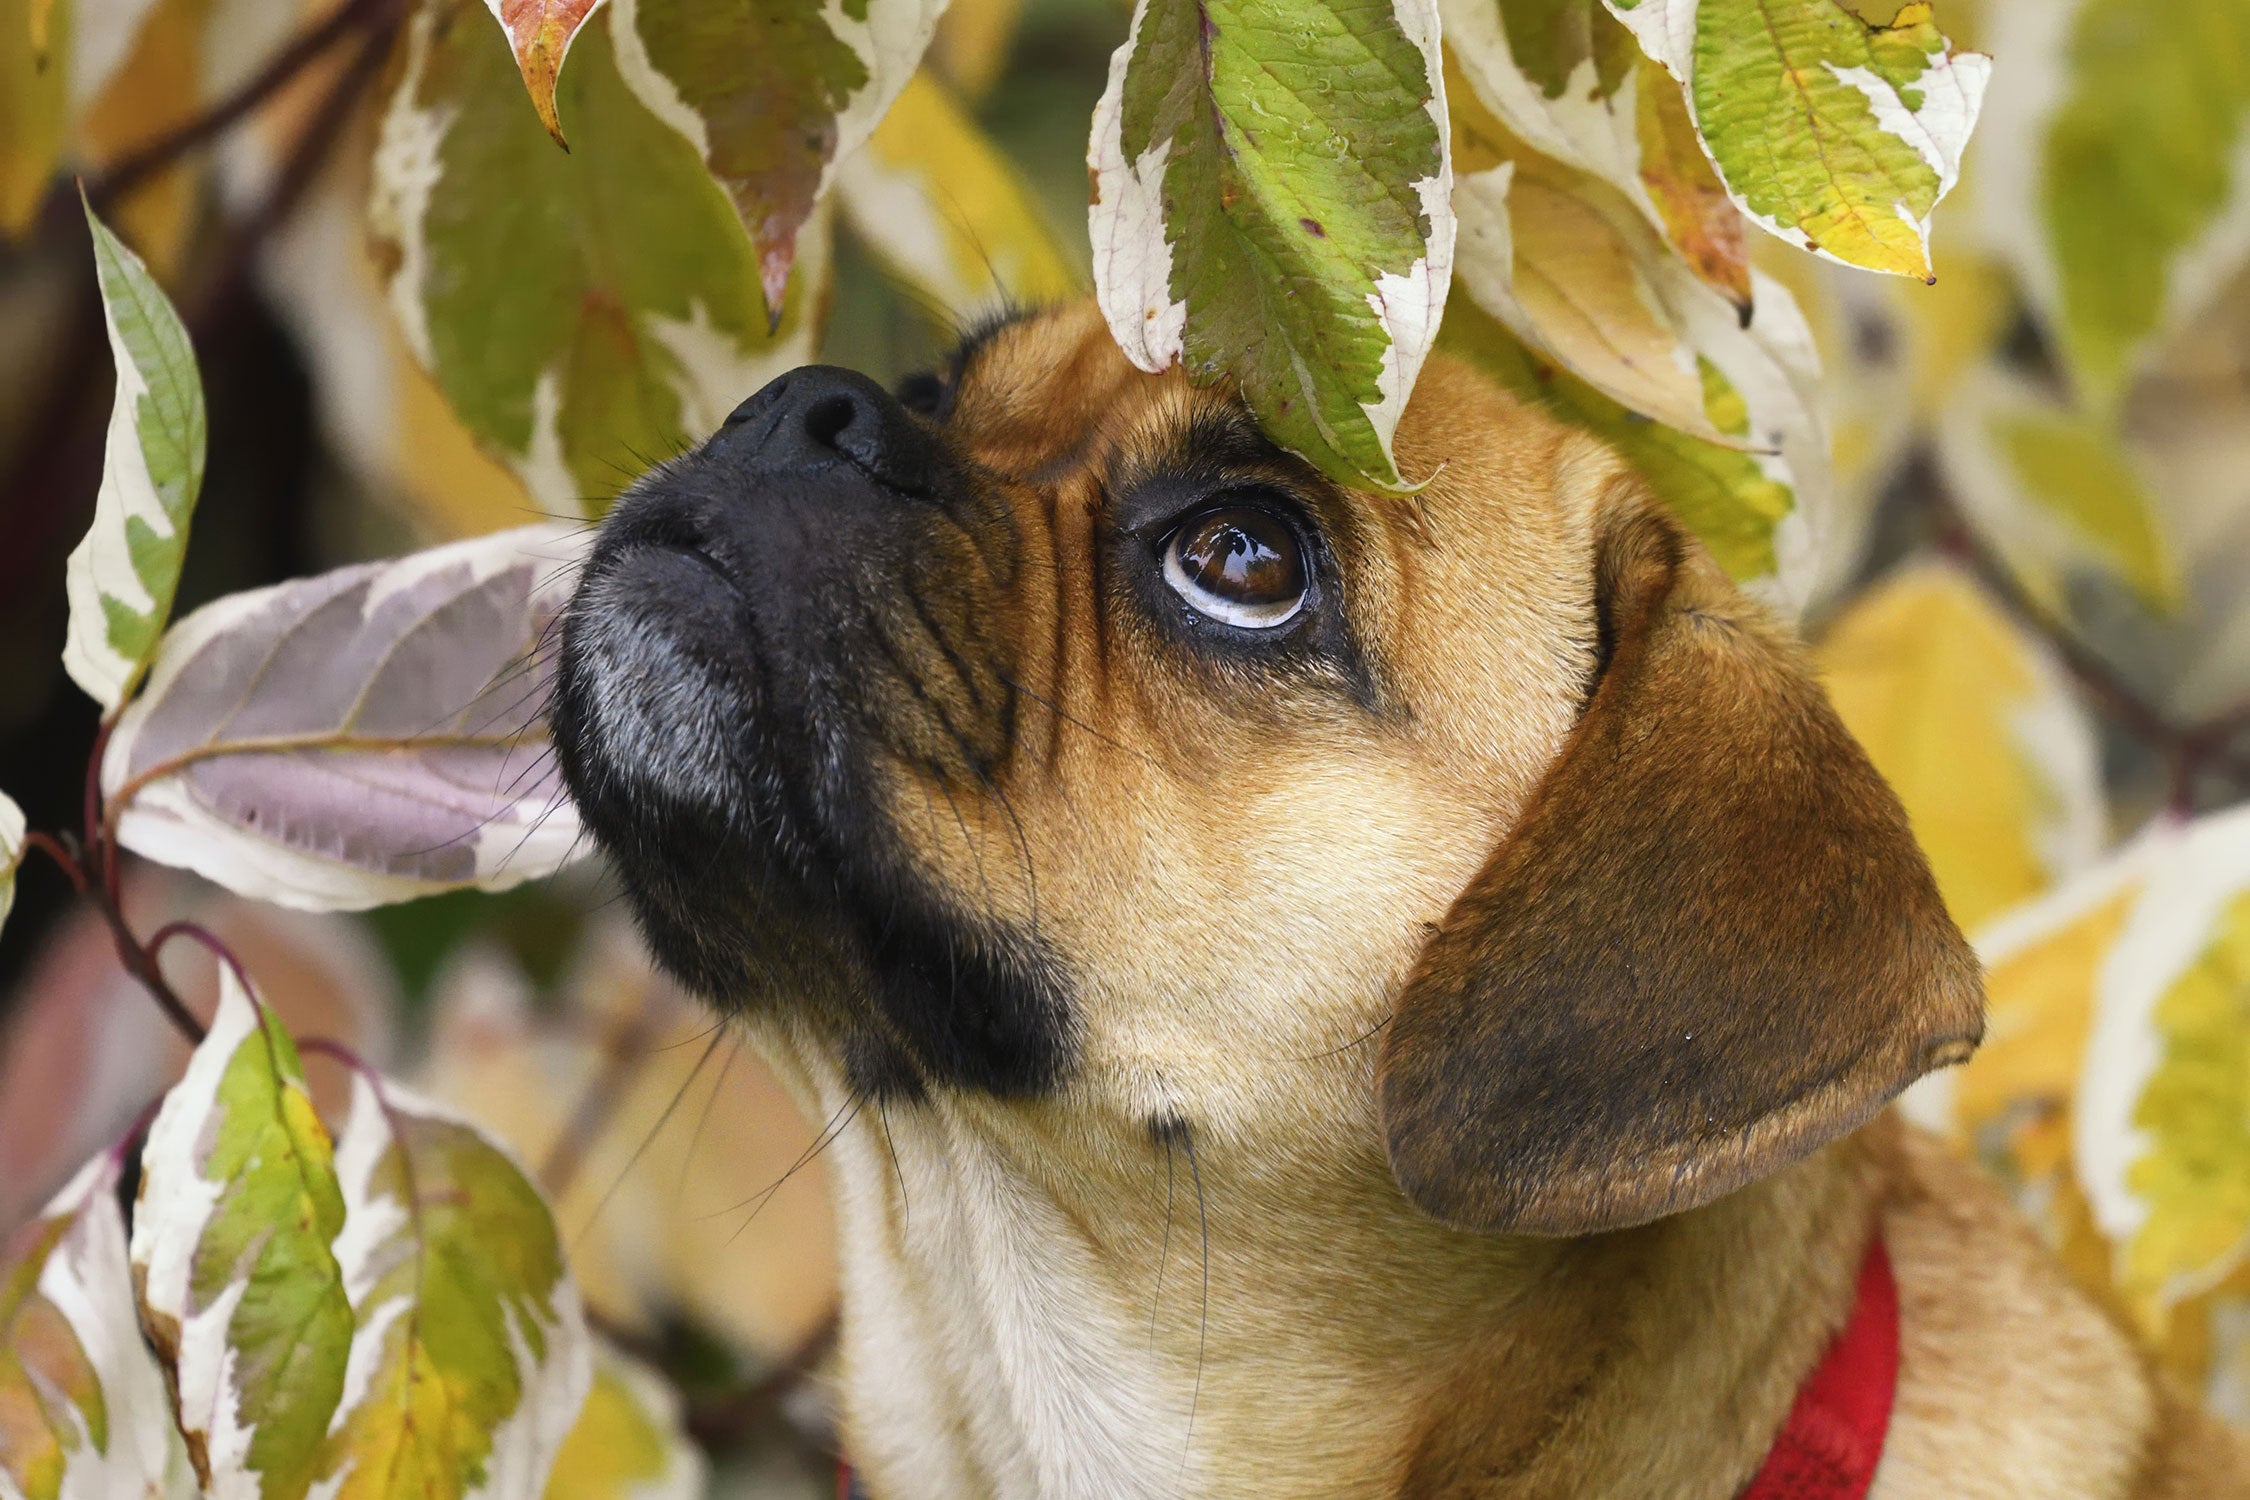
{"x":1038,"y":1305}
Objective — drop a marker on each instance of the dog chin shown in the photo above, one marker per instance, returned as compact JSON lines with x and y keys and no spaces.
{"x":697,"y":724}
{"x":657,"y":706}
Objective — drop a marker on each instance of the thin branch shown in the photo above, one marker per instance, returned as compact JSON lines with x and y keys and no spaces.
{"x":279,"y":72}
{"x":2190,"y":750}
{"x":64,"y":859}
{"x":725,"y":1423}
{"x":298,"y":173}
{"x":141,"y":966}
{"x":628,"y":1049}
{"x":198,"y":933}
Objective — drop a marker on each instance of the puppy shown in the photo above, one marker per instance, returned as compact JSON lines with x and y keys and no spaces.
{"x":1314,"y":993}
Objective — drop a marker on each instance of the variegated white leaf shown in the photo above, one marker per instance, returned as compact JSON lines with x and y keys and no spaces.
{"x":801,"y":89}
{"x":1273,"y":202}
{"x":11,"y":852}
{"x":239,"y":1291}
{"x":470,"y":1358}
{"x":122,"y":576}
{"x":2161,"y":1136}
{"x":613,"y":328}
{"x":83,"y":1410}
{"x":2122,"y":136}
{"x":369,"y":735}
{"x":1838,"y":136}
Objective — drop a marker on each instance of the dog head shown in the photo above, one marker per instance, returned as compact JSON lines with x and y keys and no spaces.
{"x":1041,"y":730}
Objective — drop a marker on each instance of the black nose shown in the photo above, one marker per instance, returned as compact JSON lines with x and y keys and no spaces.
{"x":819,"y":414}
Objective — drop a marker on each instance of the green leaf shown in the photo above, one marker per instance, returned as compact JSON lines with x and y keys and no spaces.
{"x":2128,"y":146}
{"x":1273,"y":204}
{"x":34,"y":107}
{"x":2058,"y":491}
{"x":11,"y":852}
{"x":1757,"y":509}
{"x":469,"y":1350}
{"x":772,"y":94}
{"x":603,"y":311}
{"x":2163,"y":1138}
{"x":629,"y":1439}
{"x":122,"y":577}
{"x":1976,"y":728}
{"x":1568,"y":263}
{"x":83,"y":1410}
{"x":1837,"y":136}
{"x":239,"y":1291}
{"x":946,"y":212}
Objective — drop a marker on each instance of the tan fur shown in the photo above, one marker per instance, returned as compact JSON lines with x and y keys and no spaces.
{"x":1044,"y":1298}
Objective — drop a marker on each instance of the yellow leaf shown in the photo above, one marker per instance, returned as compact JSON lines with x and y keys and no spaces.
{"x":971,"y":44}
{"x":1574,"y":268}
{"x":2161,"y":1134}
{"x":2195,"y":1110}
{"x":1698,"y":215}
{"x":33,"y":88}
{"x":945,"y":211}
{"x":628,"y":1440}
{"x":1975,"y":730}
{"x":2039,"y":1010}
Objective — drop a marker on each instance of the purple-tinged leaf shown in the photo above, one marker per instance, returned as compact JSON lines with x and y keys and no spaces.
{"x":370,"y":735}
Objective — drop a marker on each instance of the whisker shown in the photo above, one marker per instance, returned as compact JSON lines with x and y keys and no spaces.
{"x":1203,"y":1325}
{"x":1356,"y":1041}
{"x":703,"y":1118}
{"x":1164,"y":1245}
{"x":838,"y":1124}
{"x":883,"y":1117}
{"x":647,"y":1141}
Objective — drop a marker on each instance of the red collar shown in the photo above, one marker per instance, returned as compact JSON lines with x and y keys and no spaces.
{"x":1829,"y":1447}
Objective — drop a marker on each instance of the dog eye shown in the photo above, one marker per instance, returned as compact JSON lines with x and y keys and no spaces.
{"x":922,"y":393}
{"x":1238,"y":565}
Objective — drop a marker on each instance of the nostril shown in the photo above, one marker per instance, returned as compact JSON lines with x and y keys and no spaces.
{"x":827,"y":419}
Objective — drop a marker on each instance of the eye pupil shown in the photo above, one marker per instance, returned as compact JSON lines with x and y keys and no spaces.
{"x":1239,"y":565}
{"x":1243,"y":556}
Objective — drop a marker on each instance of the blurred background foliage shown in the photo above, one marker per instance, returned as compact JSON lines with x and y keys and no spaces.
{"x":2031,"y":600}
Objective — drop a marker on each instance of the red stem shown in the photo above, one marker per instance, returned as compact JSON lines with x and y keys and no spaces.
{"x":52,"y":847}
{"x":143,"y":967}
{"x":197,"y":932}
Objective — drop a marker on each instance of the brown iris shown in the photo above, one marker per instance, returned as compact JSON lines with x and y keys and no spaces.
{"x":1237,"y":564}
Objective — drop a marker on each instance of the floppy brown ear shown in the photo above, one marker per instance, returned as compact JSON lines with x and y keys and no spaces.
{"x":1709,"y":946}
